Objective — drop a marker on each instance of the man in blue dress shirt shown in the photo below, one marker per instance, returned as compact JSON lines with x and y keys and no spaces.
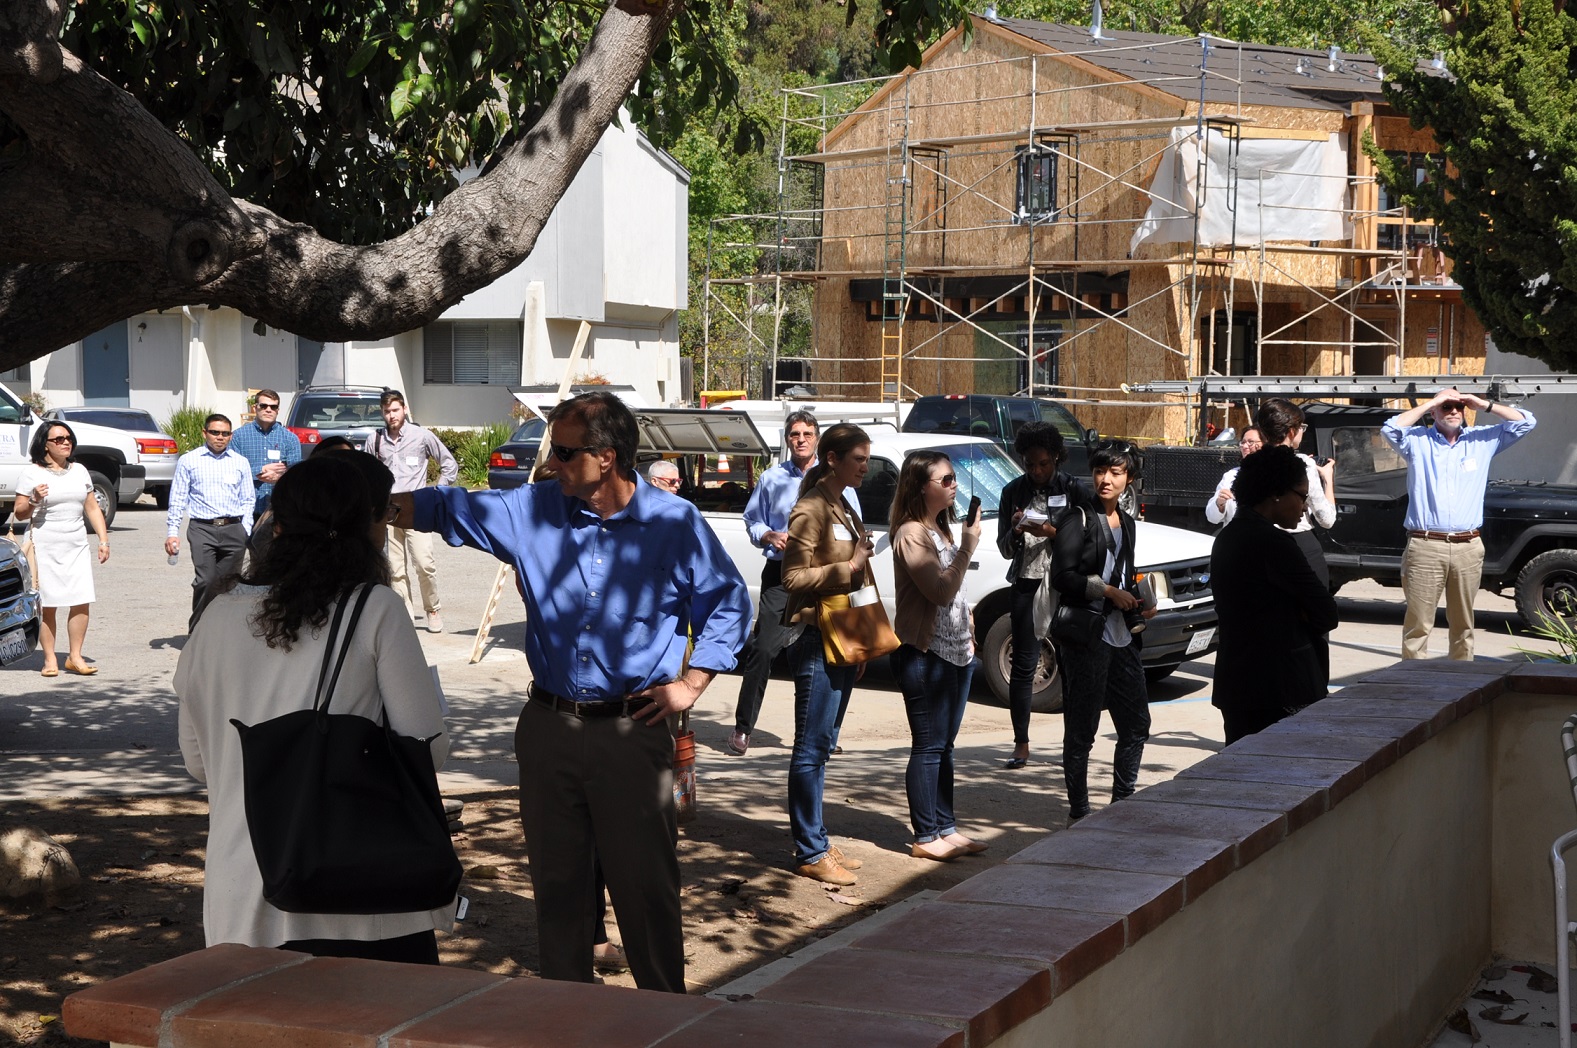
{"x":270,"y":447}
{"x":766,"y":518}
{"x":213,"y":485}
{"x":618,"y":577}
{"x":1447,"y":472}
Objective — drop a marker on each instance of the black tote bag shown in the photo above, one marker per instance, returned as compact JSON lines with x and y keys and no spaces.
{"x":344,"y":813}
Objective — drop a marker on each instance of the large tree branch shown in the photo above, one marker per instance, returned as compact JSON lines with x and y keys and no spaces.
{"x":131,"y":221}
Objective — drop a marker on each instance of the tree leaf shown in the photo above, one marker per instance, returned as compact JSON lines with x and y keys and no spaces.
{"x":363,"y":57}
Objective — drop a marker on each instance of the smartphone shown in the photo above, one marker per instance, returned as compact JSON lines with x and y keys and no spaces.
{"x":973,"y":516}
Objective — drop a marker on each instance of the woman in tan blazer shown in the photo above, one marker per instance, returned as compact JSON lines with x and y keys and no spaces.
{"x":936,"y":661}
{"x":827,"y":554}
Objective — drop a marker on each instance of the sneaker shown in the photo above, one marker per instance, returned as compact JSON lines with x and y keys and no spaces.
{"x":609,"y":958}
{"x":738,"y":742}
{"x":843,"y":860}
{"x":435,"y":622}
{"x":827,"y":870}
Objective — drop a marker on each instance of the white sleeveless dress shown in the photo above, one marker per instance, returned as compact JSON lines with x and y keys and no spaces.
{"x":60,"y":535}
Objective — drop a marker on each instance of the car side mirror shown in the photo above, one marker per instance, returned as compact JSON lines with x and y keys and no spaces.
{"x":1092,"y":435}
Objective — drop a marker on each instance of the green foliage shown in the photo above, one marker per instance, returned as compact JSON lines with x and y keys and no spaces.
{"x":1306,"y":23}
{"x":186,"y":426}
{"x":354,"y":116}
{"x":1562,"y":632}
{"x":471,"y":449}
{"x":1506,"y":199}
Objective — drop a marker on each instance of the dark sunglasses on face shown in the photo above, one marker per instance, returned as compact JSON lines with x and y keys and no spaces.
{"x":58,"y":440}
{"x":217,"y":432}
{"x":268,"y":407}
{"x":948,"y":481}
{"x":564,"y":454}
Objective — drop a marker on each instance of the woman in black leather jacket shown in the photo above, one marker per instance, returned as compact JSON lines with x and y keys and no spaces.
{"x":1046,"y":490}
{"x":1093,"y":571}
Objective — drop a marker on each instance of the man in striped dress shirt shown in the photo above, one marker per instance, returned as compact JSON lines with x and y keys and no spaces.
{"x":213,"y":484}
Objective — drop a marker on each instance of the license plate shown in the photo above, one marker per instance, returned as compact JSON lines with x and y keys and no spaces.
{"x":14,"y":646}
{"x":1201,"y":640}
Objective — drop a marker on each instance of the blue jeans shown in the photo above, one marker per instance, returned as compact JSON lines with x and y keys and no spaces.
{"x":1095,"y":677}
{"x":935,"y":693}
{"x":821,"y":693}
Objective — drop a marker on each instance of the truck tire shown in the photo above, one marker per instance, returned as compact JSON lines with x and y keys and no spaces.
{"x":1547,"y":587}
{"x":105,"y":493}
{"x":997,"y":655}
{"x":1156,"y":674}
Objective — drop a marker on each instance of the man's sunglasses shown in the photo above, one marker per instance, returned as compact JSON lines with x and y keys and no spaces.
{"x":564,"y":454}
{"x":217,"y":432}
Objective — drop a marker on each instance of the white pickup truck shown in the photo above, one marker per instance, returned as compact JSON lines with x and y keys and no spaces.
{"x":1177,"y":561}
{"x":111,"y":456}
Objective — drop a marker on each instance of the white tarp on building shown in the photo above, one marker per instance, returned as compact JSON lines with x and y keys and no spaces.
{"x":1287,"y":189}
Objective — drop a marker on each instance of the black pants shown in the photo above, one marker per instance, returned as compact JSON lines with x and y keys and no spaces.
{"x":768,"y":639}
{"x":216,"y":554}
{"x":1100,"y":676}
{"x":1240,"y":724}
{"x":1026,"y":655}
{"x":416,"y":948}
{"x":601,"y":790}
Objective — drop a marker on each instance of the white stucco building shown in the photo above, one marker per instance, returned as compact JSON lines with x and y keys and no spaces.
{"x":613,"y":254}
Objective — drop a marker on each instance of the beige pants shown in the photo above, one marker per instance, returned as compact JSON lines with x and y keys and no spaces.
{"x":1430,"y":566}
{"x":417,"y":547}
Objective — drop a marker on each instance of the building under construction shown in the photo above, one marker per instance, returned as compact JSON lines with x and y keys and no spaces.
{"x":1061,"y":210}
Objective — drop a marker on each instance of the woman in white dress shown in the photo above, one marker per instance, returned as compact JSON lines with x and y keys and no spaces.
{"x":56,"y":495}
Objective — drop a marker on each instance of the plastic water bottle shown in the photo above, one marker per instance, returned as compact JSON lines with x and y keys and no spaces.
{"x":175,"y":558}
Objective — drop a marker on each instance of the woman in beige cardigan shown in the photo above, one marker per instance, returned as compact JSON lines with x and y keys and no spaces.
{"x":936,"y":661}
{"x":826,"y":554}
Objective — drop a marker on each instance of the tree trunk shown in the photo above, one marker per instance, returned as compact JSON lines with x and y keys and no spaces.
{"x":108,"y":214}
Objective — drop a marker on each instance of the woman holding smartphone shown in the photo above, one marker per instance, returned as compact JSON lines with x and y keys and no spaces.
{"x":936,"y":661}
{"x":1093,"y":570}
{"x":827,"y":553}
{"x":1030,"y":505}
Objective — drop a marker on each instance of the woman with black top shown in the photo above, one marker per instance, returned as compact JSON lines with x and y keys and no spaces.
{"x":1274,"y":611}
{"x":1093,"y":570}
{"x":1041,"y":494}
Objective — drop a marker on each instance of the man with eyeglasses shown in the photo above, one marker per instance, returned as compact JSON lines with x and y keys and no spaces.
{"x":617,"y":578}
{"x":213,"y":486}
{"x":663,"y":474}
{"x":1222,"y":507}
{"x":268,"y":446}
{"x":1447,"y":473}
{"x":766,"y":520}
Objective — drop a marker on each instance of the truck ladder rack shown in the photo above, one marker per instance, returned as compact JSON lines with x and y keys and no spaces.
{"x":1495,"y":387}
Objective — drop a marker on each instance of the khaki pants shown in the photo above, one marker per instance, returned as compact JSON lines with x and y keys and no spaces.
{"x":417,"y":547}
{"x":1430,"y":566}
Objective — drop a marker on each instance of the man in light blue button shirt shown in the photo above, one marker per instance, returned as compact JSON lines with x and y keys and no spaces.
{"x":1447,"y":473}
{"x":619,"y":577}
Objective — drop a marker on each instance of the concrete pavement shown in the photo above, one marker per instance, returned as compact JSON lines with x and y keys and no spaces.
{"x":115,"y":733}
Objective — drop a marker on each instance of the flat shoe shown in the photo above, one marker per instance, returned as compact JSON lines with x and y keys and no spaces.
{"x":610,"y":963}
{"x":81,"y":670}
{"x":917,"y":851}
{"x":49,"y":671}
{"x":1015,"y":763}
{"x":969,"y":847}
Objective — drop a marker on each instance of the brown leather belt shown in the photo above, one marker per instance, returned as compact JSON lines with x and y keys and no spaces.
{"x":1446,"y":536}
{"x":625,"y":707}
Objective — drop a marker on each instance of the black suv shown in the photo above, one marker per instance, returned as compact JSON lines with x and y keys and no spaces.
{"x":999,"y":418}
{"x":353,"y":412}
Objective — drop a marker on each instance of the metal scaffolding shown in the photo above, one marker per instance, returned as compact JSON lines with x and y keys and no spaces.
{"x":761,"y":269}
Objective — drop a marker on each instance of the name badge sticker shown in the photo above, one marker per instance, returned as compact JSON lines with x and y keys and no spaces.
{"x":273,"y":454}
{"x":841,"y":533}
{"x":1469,"y":465}
{"x":412,"y":460}
{"x":1056,"y":501}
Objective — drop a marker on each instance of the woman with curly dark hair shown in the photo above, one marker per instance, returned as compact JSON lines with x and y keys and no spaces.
{"x":255,"y":655}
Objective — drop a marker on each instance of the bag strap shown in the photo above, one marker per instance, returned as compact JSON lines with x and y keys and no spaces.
{"x":324,"y":695}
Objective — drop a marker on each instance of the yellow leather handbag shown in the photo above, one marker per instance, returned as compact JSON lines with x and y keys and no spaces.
{"x":854,"y":627}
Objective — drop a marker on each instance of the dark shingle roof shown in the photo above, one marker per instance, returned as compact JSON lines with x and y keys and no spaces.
{"x":1270,"y":76}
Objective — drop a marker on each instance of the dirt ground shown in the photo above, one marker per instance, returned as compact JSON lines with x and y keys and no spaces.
{"x":141,"y":901}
